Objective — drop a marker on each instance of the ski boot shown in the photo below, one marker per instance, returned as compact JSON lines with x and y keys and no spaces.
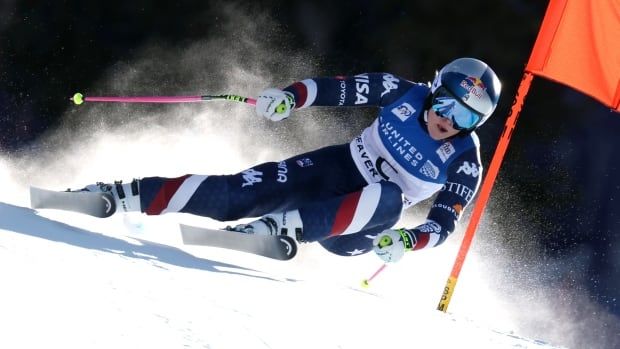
{"x":126,"y":196}
{"x":284,"y":223}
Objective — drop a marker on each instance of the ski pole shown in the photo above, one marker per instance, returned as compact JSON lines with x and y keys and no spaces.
{"x":365,"y":282}
{"x":79,"y":98}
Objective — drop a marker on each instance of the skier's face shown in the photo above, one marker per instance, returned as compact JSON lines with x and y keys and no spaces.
{"x":439,"y":128}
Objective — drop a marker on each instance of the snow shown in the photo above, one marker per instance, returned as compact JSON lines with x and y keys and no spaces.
{"x":107,"y":286}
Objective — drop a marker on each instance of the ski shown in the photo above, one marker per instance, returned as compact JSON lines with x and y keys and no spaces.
{"x":279,"y":247}
{"x":95,"y":204}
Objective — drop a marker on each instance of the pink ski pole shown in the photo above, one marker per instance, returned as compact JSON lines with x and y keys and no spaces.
{"x":79,"y":98}
{"x":365,"y":282}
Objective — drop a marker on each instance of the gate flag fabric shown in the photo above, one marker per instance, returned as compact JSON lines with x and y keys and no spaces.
{"x":578,"y":45}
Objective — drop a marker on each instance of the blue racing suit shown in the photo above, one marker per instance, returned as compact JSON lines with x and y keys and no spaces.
{"x":346,"y":194}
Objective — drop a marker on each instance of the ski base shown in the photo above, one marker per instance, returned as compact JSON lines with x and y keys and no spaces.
{"x":95,"y":204}
{"x":279,"y":247}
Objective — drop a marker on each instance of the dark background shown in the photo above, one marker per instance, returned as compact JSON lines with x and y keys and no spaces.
{"x":560,"y":174}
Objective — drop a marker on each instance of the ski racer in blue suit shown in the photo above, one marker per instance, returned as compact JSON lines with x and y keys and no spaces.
{"x":349,"y":197}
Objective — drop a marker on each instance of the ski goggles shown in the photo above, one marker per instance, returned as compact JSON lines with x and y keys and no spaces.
{"x":445,"y":105}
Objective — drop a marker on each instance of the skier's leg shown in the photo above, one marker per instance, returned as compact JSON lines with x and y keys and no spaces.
{"x":352,"y":244}
{"x":270,"y":187}
{"x":334,"y":222}
{"x":378,"y":206}
{"x":387,"y":213}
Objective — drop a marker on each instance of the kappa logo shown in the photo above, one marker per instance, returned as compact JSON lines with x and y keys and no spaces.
{"x":305,"y":162}
{"x":404,"y":111}
{"x":445,"y":151}
{"x":469,"y":169}
{"x":430,"y":227}
{"x":389,"y":83}
{"x":430,"y":170}
{"x":251,"y":176}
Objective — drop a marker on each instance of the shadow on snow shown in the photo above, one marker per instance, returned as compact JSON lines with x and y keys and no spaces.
{"x":26,"y":221}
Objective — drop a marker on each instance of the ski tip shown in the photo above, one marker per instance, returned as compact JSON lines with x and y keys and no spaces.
{"x":277,"y":247}
{"x":101,"y":205}
{"x":182,"y":228}
{"x":35,"y":197}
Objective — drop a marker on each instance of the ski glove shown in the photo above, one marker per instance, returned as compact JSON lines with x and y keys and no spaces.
{"x":392,"y":244}
{"x":275,"y":104}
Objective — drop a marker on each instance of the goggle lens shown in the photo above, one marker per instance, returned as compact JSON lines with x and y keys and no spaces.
{"x":446,"y":106}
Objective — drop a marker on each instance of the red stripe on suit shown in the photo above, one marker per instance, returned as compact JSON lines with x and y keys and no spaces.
{"x":165,"y":193}
{"x":422,"y":241}
{"x":302,"y":93}
{"x":345,"y":213}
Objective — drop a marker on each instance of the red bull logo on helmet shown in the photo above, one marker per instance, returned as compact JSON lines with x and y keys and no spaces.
{"x":474,"y":86}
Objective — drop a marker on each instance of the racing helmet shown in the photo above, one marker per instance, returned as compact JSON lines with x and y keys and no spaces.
{"x":467,"y":91}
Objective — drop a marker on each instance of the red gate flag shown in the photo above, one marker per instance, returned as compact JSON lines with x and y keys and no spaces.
{"x":578,"y":45}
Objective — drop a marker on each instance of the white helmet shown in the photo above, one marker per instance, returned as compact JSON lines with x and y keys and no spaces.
{"x":467,"y":91}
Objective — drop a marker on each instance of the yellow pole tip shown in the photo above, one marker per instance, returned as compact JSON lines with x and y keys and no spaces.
{"x":78,"y":98}
{"x":365,"y":283}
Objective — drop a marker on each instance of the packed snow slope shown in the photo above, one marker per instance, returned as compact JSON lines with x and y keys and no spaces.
{"x":129,"y":283}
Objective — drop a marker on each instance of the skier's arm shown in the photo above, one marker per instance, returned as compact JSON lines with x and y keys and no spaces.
{"x":463,"y":181}
{"x":464,"y":176}
{"x":367,"y":89}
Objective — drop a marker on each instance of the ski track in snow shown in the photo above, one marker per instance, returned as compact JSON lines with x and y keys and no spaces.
{"x":127,"y":282}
